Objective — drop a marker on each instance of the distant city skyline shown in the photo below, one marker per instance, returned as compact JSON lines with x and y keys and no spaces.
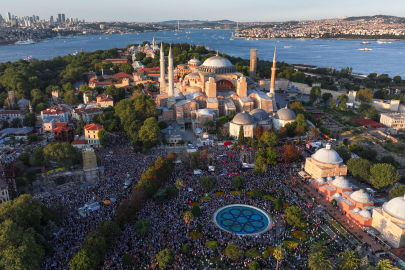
{"x":237,"y":10}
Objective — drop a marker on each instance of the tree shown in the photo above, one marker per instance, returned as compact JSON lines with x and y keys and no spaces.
{"x":397,"y":191}
{"x":150,"y":132}
{"x":179,"y":184}
{"x":102,"y":136}
{"x":224,"y":131}
{"x":71,"y":98}
{"x":268,"y":139}
{"x":343,"y":152}
{"x":233,"y":251}
{"x":349,"y":260}
{"x":290,"y":153}
{"x":278,"y":204}
{"x":127,"y":68}
{"x":237,"y":182}
{"x":206,"y":182}
{"x":279,"y":254}
{"x":127,"y":260}
{"x":188,"y":218}
{"x":319,"y":246}
{"x":327,"y":96}
{"x":294,"y":216}
{"x":353,"y":147}
{"x":397,"y":79}
{"x":313,"y":133}
{"x":301,"y":121}
{"x":16,"y":122}
{"x":364,"y":95}
{"x":29,"y":120}
{"x":79,"y":127}
{"x":258,"y":131}
{"x":196,"y":211}
{"x":241,"y":136}
{"x":165,"y":258}
{"x":359,"y":168}
{"x":389,"y":160}
{"x":371,"y":113}
{"x":314,"y":94}
{"x":25,"y":158}
{"x":254,"y":265}
{"x":297,"y":107}
{"x":37,"y":157}
{"x":386,"y":265}
{"x":64,"y":154}
{"x":319,"y":261}
{"x":18,"y":248}
{"x":383,"y":175}
{"x":142,"y":227}
{"x":195,"y":160}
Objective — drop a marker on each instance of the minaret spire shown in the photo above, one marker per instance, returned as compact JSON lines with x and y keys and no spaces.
{"x":162,"y":70}
{"x":273,"y":73}
{"x":171,"y":100}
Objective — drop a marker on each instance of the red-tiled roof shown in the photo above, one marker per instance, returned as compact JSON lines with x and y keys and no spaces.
{"x":61,"y":129}
{"x":79,"y":142}
{"x":366,"y":122}
{"x":122,"y":75}
{"x":148,"y":69}
{"x":61,"y":124}
{"x":55,"y":110}
{"x":93,"y":126}
{"x":106,"y":99}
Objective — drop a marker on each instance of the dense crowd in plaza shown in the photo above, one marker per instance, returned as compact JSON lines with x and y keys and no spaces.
{"x":167,"y":226}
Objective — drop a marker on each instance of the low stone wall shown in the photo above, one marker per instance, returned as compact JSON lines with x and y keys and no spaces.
{"x":306,"y":90}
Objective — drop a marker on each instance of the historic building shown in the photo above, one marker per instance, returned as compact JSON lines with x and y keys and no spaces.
{"x":215,"y":85}
{"x":283,"y":117}
{"x":389,"y":220}
{"x":325,"y":162}
{"x":249,"y":121}
{"x":357,"y":205}
{"x":91,"y":134}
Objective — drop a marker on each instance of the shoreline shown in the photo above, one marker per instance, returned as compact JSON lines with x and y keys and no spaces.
{"x":303,"y":39}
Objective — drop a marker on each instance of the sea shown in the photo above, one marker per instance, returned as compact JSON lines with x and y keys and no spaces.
{"x":384,"y":58}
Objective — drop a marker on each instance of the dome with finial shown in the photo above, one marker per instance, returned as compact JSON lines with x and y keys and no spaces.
{"x":327,"y":155}
{"x":396,"y":207}
{"x":286,"y":114}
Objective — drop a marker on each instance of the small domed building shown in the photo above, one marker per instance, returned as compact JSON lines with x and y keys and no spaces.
{"x":325,"y":162}
{"x":249,"y":121}
{"x":389,"y":220}
{"x":283,"y":117}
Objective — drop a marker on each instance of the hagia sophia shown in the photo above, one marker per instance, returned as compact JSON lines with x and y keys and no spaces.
{"x":328,"y":178}
{"x":214,"y":89}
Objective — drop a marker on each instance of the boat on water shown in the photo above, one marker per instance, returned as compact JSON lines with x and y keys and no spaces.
{"x":75,"y":53}
{"x":287,"y":47}
{"x":381,"y":42}
{"x":231,"y":39}
{"x":365,"y":42}
{"x":365,"y":49}
{"x":25,"y":42}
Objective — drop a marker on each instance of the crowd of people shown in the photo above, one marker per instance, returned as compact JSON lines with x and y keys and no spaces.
{"x":167,"y":226}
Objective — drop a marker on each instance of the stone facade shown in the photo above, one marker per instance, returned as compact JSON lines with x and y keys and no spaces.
{"x":318,"y":169}
{"x":393,"y":229}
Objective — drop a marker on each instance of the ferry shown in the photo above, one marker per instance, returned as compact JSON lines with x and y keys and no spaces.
{"x":25,"y":42}
{"x":287,"y":47}
{"x":365,"y":49}
{"x":365,"y":42}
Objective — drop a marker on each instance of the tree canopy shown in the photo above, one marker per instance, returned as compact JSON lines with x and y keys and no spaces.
{"x":383,"y":175}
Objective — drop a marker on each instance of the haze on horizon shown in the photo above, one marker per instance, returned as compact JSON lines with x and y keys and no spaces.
{"x":237,"y":10}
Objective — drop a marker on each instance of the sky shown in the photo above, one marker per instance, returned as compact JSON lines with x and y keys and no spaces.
{"x":235,"y":10}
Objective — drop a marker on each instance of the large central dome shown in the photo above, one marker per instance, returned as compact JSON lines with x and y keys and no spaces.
{"x":217,"y":61}
{"x":217,"y":64}
{"x":396,"y":207}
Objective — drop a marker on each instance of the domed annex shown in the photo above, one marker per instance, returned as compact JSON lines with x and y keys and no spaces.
{"x":360,"y":196}
{"x":325,"y":162}
{"x":327,"y":155}
{"x":390,"y":221}
{"x":341,"y":182}
{"x":283,"y":117}
{"x":249,"y":122}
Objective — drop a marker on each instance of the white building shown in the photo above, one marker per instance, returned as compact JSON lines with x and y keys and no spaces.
{"x":283,"y":117}
{"x":393,"y":120}
{"x":249,"y":121}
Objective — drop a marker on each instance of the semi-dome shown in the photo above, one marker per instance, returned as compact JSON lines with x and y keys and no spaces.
{"x":259,"y":114}
{"x":327,"y":155}
{"x":194,"y":61}
{"x":365,"y":214}
{"x":286,"y":114}
{"x":217,"y":61}
{"x":341,"y":182}
{"x":356,"y":210}
{"x":360,"y":196}
{"x":396,"y":207}
{"x":243,"y":119}
{"x":193,"y":75}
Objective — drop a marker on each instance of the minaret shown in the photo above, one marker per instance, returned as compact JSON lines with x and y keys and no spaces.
{"x":31,"y":111}
{"x":162,"y":70}
{"x":154,"y":47}
{"x":273,"y":73}
{"x":171,"y":100}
